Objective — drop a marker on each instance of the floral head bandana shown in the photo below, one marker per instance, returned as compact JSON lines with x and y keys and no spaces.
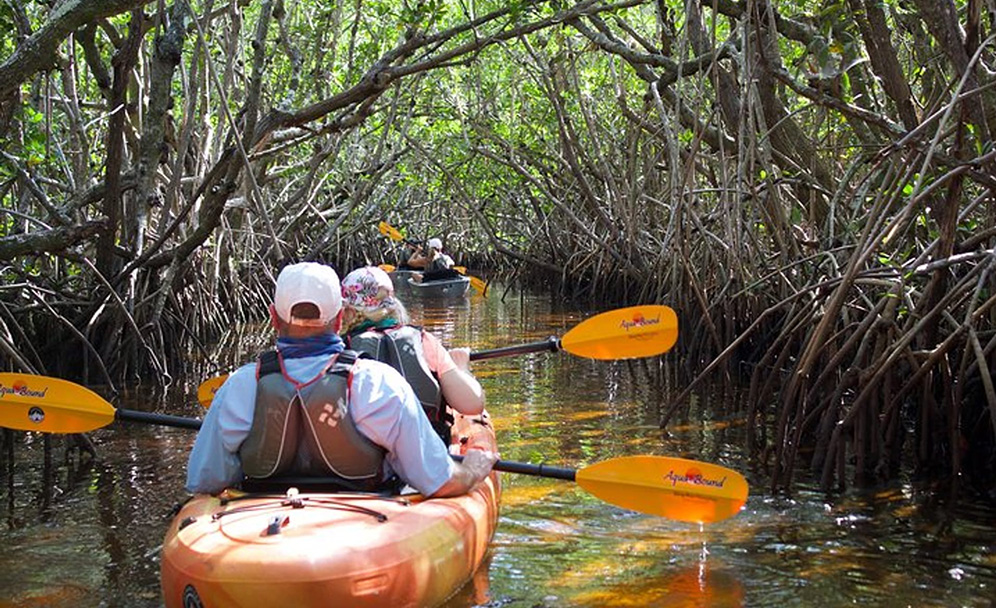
{"x":369,"y":291}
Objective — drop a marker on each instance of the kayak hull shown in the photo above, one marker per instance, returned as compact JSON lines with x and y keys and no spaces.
{"x":333,"y":549}
{"x":447,"y":288}
{"x":400,"y":280}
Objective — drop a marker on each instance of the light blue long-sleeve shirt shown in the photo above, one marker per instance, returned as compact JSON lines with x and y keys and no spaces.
{"x":383,"y":407}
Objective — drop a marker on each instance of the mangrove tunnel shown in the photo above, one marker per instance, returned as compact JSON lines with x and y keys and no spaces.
{"x":809,"y":184}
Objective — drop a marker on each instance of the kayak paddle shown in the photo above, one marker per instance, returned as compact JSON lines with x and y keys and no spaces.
{"x":207,"y":389}
{"x":394,"y":234}
{"x":675,"y":488}
{"x":623,"y":333}
{"x":475,"y":282}
{"x":53,"y":405}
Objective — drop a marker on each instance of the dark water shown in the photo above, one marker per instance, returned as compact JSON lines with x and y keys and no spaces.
{"x":89,"y":535}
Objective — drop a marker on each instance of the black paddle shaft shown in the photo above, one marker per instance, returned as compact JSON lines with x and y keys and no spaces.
{"x":163,"y":419}
{"x":551,"y":344}
{"x":536,"y":470}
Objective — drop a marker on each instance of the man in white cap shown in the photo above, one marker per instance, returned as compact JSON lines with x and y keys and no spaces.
{"x":310,"y":409}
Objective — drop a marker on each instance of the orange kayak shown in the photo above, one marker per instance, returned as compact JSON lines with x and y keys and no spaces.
{"x":331,"y":549}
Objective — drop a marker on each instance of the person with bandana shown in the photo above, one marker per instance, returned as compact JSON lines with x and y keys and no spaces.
{"x":312,"y":408}
{"x":376,"y":322}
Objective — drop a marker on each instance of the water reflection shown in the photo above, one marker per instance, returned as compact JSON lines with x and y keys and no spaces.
{"x":86,"y":532}
{"x":701,"y":585}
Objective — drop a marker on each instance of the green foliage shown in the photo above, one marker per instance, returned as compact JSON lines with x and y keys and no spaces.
{"x":421,"y":13}
{"x":32,"y":146}
{"x":8,"y":26}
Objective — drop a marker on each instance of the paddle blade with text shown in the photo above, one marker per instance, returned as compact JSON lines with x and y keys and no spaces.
{"x":676,"y":488}
{"x":624,"y":333}
{"x":26,"y":400}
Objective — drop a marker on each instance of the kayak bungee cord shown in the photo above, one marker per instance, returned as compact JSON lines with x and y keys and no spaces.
{"x":294,"y":501}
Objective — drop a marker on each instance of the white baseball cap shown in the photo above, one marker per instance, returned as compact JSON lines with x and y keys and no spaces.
{"x":308,"y":282}
{"x":435,"y":243}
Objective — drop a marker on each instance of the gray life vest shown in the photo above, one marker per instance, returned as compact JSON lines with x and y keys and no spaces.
{"x":401,"y":348}
{"x":306,"y":429}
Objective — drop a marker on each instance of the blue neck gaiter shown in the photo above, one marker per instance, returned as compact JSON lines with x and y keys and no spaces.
{"x":296,"y":348}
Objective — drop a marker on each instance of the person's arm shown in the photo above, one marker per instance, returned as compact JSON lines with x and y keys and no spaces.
{"x":214,"y":462}
{"x":475,"y":467}
{"x":385,"y":409}
{"x":460,"y":388}
{"x":418,"y":259}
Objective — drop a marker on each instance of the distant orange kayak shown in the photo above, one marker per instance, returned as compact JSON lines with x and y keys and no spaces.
{"x":331,"y":549}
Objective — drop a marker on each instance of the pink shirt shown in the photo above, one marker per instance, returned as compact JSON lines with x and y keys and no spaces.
{"x":436,"y":355}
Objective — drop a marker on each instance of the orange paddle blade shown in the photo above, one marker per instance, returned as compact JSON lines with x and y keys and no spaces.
{"x":624,"y":333}
{"x":479,"y":284}
{"x":476,"y":282}
{"x":390,"y":231}
{"x":676,"y":488}
{"x":387,"y":267}
{"x":207,"y":389}
{"x":26,"y":399}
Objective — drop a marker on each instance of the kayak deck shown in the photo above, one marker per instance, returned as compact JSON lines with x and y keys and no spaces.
{"x":332,"y":549}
